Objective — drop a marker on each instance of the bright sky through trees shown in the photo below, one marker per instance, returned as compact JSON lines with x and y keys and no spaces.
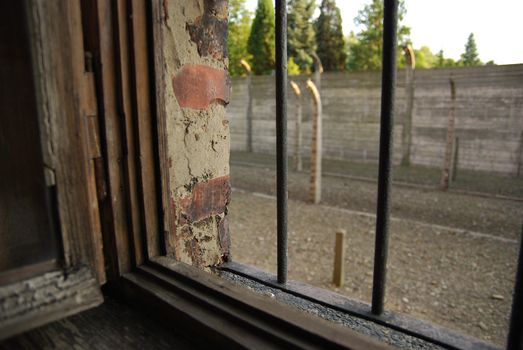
{"x":446,"y":24}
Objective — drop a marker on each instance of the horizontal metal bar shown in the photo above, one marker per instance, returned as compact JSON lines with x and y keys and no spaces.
{"x":402,"y":323}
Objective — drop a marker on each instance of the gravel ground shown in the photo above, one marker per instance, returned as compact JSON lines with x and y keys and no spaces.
{"x":452,"y":257}
{"x":374,"y":331}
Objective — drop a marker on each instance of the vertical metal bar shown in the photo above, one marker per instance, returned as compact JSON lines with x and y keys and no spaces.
{"x":515,"y":332}
{"x":281,"y":135}
{"x":388,"y":82}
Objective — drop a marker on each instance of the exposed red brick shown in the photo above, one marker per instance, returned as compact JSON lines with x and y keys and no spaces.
{"x":206,"y":199}
{"x":197,"y":86}
{"x":165,"y":6}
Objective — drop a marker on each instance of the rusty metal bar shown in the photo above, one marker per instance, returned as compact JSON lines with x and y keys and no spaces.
{"x":281,"y":135}
{"x":515,"y":333}
{"x":388,"y":82}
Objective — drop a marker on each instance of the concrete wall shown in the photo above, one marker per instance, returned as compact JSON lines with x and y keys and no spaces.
{"x":489,"y":116}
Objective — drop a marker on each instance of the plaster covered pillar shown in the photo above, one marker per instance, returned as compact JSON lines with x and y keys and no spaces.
{"x":194,"y":88}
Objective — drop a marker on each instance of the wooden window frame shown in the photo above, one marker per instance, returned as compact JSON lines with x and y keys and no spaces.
{"x":33,"y":295}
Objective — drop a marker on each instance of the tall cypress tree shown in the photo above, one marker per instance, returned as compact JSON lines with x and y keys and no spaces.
{"x":470,"y":57}
{"x":301,"y":38}
{"x":261,"y":40}
{"x":239,"y":29}
{"x":329,"y":37}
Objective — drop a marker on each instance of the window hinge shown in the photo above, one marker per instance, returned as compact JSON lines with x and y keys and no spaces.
{"x":93,"y":129}
{"x":88,"y":62}
{"x":95,"y":153}
{"x":50,"y":178}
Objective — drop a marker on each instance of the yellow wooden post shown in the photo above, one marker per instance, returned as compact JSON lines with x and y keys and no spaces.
{"x":338,"y":276}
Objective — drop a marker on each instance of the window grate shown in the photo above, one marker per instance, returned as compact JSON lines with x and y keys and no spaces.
{"x":515,"y":337}
{"x":388,"y":84}
{"x":281,"y":136}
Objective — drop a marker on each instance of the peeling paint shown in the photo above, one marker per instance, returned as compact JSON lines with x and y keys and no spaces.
{"x":192,"y":248}
{"x":173,"y":237}
{"x":225,"y":239}
{"x":209,"y":31}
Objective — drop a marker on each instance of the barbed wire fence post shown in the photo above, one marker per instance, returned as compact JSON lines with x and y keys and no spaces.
{"x":316,"y":144}
{"x":248,"y":70}
{"x":449,"y":146}
{"x":406,"y":133}
{"x":297,"y":130}
{"x":318,"y":71}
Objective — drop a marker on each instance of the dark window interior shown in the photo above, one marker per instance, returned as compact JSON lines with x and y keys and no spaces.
{"x":26,"y":235}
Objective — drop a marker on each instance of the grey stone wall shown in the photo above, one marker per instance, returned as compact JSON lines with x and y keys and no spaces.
{"x":489,"y":116}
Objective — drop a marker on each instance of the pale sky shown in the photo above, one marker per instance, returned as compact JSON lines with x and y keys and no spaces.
{"x":446,"y":24}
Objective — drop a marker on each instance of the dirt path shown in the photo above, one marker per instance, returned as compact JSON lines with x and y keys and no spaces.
{"x":452,"y":257}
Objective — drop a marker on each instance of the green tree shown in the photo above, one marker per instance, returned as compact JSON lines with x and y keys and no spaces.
{"x":365,"y":52}
{"x":450,"y":62}
{"x":442,"y":62}
{"x":440,"y":59}
{"x":261,"y":40}
{"x":470,"y":57}
{"x":424,"y":58}
{"x":239,"y":29}
{"x":350,"y":41}
{"x":329,"y":37}
{"x":301,"y":38}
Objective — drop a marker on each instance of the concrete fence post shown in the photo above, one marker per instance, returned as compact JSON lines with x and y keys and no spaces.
{"x":406,"y":134}
{"x":451,"y":126}
{"x":455,"y":159}
{"x":318,"y":70}
{"x":520,"y":155}
{"x":297,"y":130}
{"x":338,"y":275}
{"x":316,"y":144}
{"x":248,"y":70}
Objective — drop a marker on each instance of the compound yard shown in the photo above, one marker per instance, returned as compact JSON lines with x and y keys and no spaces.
{"x":452,"y":254}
